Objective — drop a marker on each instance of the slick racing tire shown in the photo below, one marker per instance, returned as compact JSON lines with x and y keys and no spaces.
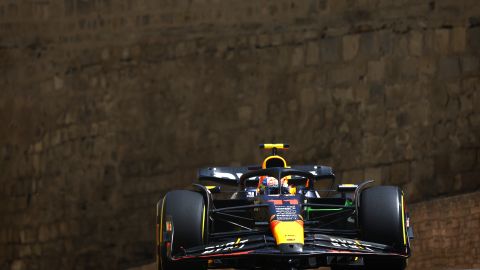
{"x":382,"y":220}
{"x":186,"y":210}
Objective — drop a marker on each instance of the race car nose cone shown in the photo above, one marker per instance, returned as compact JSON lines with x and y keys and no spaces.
{"x":290,"y":248}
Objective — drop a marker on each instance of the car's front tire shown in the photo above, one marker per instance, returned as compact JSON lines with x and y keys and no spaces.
{"x":186,"y":210}
{"x":382,"y":220}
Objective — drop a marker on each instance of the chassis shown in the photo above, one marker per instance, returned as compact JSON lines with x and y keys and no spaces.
{"x":352,"y":227}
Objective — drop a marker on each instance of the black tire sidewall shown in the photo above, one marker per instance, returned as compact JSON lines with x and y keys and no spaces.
{"x":380,"y":221}
{"x":380,"y":216}
{"x":186,"y":210}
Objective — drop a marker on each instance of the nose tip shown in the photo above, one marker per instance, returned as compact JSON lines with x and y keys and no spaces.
{"x":290,"y":248}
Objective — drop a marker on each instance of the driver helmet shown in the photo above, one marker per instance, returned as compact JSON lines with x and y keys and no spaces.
{"x":270,"y":185}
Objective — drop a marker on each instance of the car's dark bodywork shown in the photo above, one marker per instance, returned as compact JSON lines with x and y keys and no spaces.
{"x":299,"y":230}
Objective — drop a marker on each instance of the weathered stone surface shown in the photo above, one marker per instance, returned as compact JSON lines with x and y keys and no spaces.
{"x":399,"y":173}
{"x":350,"y":47}
{"x":18,"y":265}
{"x":376,"y":174}
{"x":470,"y":64}
{"x":449,"y":219}
{"x":459,"y":39}
{"x":473,"y":38}
{"x":448,"y":68}
{"x":376,"y":70}
{"x":298,"y":57}
{"x":442,"y":41}
{"x":313,"y":53}
{"x":330,"y":50}
{"x":415,"y":43}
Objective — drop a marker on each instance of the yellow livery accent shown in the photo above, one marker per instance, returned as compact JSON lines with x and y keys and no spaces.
{"x":203,"y":223}
{"x":274,"y":145}
{"x":160,"y":235}
{"x":288,"y":232}
{"x":161,"y":223}
{"x":403,"y":224}
{"x":264,"y":165}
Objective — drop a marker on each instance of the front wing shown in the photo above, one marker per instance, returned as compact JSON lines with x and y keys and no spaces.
{"x":316,"y":245}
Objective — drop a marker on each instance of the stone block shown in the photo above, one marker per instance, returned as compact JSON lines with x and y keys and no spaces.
{"x":276,"y":39}
{"x":376,"y":94}
{"x":395,"y":97}
{"x":470,"y":64}
{"x":422,"y":173}
{"x":427,"y":67}
{"x":442,"y":41}
{"x":386,"y":42}
{"x":415,"y":43}
{"x":468,"y":181}
{"x":310,"y":35}
{"x":37,"y":250}
{"x":57,"y":83}
{"x":63,"y":229}
{"x":473,"y":39}
{"x":352,"y":176}
{"x":463,"y":160}
{"x":28,"y":236}
{"x":330,"y":50}
{"x":408,"y":69}
{"x":337,"y":6}
{"x":43,"y":233}
{"x":399,"y":173}
{"x":298,"y":56}
{"x":343,"y":95}
{"x":24,"y":251}
{"x":374,"y":124}
{"x":459,"y":39}
{"x":312,"y":53}
{"x":376,"y":70}
{"x":38,"y":147}
{"x":264,"y":40}
{"x":343,"y":75}
{"x":374,"y":173}
{"x":18,"y":265}
{"x":350,"y":46}
{"x":245,"y":114}
{"x":448,"y":68}
{"x":369,"y":45}
{"x":307,"y":97}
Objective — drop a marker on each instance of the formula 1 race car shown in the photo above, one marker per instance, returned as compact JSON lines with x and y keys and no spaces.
{"x":275,"y":218}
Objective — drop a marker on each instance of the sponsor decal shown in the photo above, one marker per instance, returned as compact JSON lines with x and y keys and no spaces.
{"x":226,"y":247}
{"x":285,"y":210}
{"x":351,"y":244}
{"x":226,"y":175}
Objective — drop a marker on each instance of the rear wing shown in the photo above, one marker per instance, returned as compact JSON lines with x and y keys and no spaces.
{"x":231,"y":175}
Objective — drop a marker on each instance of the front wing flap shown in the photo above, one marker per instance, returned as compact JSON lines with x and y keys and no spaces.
{"x":315,"y":245}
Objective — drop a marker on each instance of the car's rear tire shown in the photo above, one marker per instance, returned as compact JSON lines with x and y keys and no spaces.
{"x":382,"y":220}
{"x":186,"y":209}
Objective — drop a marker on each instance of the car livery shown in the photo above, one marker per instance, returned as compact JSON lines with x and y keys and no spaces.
{"x":285,"y":224}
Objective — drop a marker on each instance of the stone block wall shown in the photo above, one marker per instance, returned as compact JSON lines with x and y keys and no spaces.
{"x":106,"y":105}
{"x":446,"y":233}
